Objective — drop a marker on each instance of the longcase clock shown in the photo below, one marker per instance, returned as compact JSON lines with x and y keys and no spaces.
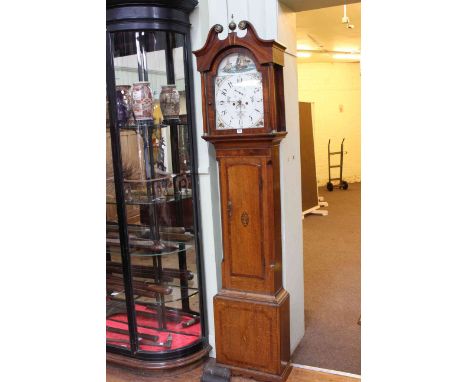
{"x":243,"y":115}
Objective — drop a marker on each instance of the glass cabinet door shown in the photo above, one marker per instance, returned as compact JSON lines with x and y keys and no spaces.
{"x":156,"y":173}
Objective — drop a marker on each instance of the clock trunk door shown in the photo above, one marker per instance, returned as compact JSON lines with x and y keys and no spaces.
{"x":245,"y":226}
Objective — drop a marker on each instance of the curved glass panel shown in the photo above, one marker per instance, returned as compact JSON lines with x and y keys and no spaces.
{"x":115,"y":296}
{"x":156,"y":163}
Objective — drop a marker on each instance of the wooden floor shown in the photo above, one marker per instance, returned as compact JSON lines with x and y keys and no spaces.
{"x":303,"y":375}
{"x":115,"y":374}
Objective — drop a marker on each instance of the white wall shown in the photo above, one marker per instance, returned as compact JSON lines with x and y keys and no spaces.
{"x":330,"y":85}
{"x":265,"y":15}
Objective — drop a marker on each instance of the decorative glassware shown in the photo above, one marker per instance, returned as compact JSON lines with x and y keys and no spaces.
{"x":127,"y":99}
{"x":142,"y":101}
{"x":169,"y":99}
{"x":122,"y":109}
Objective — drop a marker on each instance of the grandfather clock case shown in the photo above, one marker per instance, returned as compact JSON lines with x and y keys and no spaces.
{"x":243,"y":115}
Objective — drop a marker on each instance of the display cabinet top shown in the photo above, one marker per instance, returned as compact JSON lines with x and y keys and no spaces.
{"x":184,"y":5}
{"x":265,"y":51}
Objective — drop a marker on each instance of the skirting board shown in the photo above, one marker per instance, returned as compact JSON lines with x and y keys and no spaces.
{"x":319,"y":369}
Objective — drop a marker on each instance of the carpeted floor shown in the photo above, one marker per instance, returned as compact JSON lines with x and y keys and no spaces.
{"x":332,"y":273}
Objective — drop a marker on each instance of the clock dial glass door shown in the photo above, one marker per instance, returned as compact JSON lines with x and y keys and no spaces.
{"x":238,"y":94}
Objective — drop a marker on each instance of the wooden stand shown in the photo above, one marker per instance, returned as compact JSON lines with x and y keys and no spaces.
{"x":160,"y":366}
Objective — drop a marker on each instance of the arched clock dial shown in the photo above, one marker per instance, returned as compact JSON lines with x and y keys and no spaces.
{"x":238,"y":94}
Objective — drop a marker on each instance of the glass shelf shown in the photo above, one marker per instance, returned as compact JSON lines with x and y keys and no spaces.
{"x":146,"y":301}
{"x":144,"y":232}
{"x":157,"y":200}
{"x":162,"y":125}
{"x":165,"y":248}
{"x":171,"y":248}
{"x":180,"y":327}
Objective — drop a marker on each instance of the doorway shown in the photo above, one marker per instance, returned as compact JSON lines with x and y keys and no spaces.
{"x":328,"y":57}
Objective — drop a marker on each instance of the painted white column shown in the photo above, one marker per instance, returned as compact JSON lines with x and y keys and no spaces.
{"x":271,"y":21}
{"x":291,"y":195}
{"x":208,"y":177}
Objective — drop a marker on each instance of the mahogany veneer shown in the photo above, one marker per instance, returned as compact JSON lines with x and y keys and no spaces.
{"x":252,"y":309}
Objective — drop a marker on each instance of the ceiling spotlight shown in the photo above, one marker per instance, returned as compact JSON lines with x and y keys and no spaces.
{"x":345,"y":19}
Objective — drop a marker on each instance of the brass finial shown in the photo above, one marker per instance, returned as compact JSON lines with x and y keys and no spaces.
{"x":232,"y":24}
{"x":242,"y":25}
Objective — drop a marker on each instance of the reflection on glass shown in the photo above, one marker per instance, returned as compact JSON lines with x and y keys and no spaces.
{"x":157,"y":177}
{"x":116,"y":310}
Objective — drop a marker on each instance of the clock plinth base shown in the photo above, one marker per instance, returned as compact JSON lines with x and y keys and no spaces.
{"x":252,"y":334}
{"x":258,"y":375}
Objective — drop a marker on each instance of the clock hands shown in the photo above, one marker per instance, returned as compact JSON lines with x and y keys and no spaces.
{"x":239,"y":103}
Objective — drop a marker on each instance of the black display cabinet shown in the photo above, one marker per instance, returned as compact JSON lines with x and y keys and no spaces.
{"x":155,"y":316}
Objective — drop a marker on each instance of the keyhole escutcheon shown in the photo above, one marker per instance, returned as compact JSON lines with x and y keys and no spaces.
{"x":229,"y":208}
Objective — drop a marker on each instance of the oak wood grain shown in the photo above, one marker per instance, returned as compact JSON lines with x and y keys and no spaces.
{"x":252,"y":309}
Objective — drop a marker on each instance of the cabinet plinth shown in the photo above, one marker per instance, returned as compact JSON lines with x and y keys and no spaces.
{"x":252,"y":334}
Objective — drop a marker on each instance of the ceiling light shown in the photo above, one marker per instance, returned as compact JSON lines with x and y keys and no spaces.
{"x":303,"y":47}
{"x":347,"y":56}
{"x":345,"y":19}
{"x":304,"y":54}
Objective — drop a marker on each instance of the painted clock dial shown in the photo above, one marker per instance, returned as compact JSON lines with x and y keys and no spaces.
{"x":238,"y":94}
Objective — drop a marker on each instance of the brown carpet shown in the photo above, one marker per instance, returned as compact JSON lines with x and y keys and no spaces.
{"x":332,"y":273}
